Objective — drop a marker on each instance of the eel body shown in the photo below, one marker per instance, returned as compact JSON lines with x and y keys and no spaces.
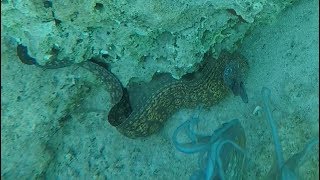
{"x":207,"y":88}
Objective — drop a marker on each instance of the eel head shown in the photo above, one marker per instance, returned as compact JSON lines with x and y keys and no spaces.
{"x":233,"y":79}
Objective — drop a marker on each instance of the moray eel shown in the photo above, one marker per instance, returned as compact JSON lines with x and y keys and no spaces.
{"x":207,"y":87}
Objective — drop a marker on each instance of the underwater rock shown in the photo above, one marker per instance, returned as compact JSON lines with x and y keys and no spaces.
{"x":137,"y":39}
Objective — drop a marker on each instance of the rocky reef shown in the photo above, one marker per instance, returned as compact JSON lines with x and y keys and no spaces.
{"x":137,"y":38}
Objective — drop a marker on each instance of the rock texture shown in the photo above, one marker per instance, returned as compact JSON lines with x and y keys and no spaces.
{"x":137,"y":38}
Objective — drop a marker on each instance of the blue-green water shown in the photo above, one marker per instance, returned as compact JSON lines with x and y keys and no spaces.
{"x":54,"y":121}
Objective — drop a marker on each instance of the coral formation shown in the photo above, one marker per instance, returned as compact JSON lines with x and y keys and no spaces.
{"x":137,"y":38}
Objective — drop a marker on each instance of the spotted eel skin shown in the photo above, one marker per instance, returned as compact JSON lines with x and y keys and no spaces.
{"x":208,"y":88}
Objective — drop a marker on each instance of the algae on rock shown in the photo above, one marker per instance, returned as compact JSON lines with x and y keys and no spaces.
{"x":137,"y":38}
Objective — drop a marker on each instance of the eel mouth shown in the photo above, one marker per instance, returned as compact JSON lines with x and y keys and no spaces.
{"x":233,"y":79}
